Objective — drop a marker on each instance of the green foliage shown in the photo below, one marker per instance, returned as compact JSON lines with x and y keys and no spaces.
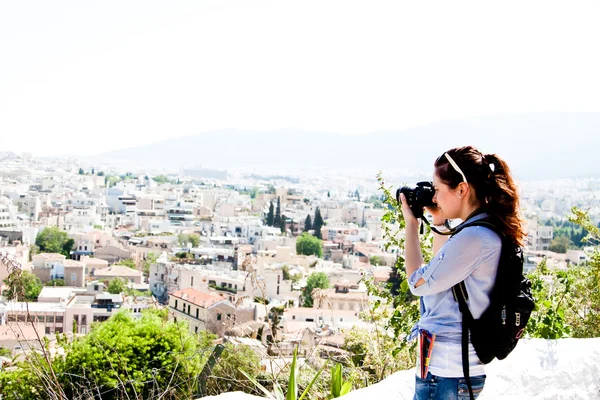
{"x":282,"y":222}
{"x":585,"y":309}
{"x":551,"y":289}
{"x":376,"y":201}
{"x":568,"y":301}
{"x":308,"y":245}
{"x":22,"y":285}
{"x":111,"y":180}
{"x":53,"y":240}
{"x":288,"y":276}
{"x":81,"y":171}
{"x":560,"y":244}
{"x":318,"y":280}
{"x":271,"y":214}
{"x":395,"y":294}
{"x":116,"y":286}
{"x":226,"y":376}
{"x":318,"y":223}
{"x":569,"y":229}
{"x":222,"y":288}
{"x":374,"y":353}
{"x":4,"y":352}
{"x":292,"y":387}
{"x":55,"y":282}
{"x":163,"y":179}
{"x":33,"y":250}
{"x":25,"y":383}
{"x":125,"y":353}
{"x":128,"y":358}
{"x":277,"y":217}
{"x":184,"y":255}
{"x":285,"y":270}
{"x":307,"y":223}
{"x":128,"y":262}
{"x":100,"y":173}
{"x":338,"y":386}
{"x":150,"y":259}
{"x":192,"y":238}
{"x":375,"y":260}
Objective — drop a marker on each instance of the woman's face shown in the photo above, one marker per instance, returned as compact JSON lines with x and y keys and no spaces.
{"x":447,"y":199}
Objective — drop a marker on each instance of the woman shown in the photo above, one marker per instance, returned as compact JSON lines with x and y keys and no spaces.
{"x":468,"y":186}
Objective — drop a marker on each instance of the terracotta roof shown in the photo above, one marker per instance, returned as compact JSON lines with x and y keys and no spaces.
{"x":72,"y":263}
{"x":117,"y":270}
{"x":196,"y":297}
{"x":51,"y":256}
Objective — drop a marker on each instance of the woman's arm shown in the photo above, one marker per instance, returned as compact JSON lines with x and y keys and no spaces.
{"x":438,"y":242}
{"x":413,"y":258}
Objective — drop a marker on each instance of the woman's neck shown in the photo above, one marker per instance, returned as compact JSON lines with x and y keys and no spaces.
{"x":467,"y":213}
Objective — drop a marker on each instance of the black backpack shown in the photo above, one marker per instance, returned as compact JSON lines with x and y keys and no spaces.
{"x":496,"y":333}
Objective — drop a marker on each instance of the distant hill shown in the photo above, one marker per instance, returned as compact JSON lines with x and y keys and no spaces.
{"x":537,"y":146}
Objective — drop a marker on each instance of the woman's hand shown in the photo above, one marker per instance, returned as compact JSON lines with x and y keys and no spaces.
{"x":409,"y":218}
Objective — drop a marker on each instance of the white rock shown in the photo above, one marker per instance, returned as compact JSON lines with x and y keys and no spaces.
{"x":536,"y":369}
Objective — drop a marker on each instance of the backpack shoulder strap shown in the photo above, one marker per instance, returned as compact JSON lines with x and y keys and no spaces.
{"x":459,"y":291}
{"x":480,"y":222}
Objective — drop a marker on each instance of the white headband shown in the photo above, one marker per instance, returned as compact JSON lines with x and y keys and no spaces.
{"x":456,"y":167}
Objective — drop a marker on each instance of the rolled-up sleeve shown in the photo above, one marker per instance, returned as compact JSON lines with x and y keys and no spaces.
{"x":455,"y":261}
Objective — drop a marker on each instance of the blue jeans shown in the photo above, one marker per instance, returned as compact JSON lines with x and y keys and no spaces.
{"x":440,"y":388}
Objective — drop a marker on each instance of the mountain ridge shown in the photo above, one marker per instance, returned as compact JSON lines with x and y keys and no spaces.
{"x":548,"y":145}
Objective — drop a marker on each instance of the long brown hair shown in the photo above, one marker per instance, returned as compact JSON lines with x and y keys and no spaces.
{"x":494,"y":186}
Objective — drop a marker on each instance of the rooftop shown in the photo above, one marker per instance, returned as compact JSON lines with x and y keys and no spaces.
{"x":117,"y":270}
{"x":196,"y":297}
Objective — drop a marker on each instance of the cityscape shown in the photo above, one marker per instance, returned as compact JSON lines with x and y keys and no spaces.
{"x":214,"y":248}
{"x":197,"y":199}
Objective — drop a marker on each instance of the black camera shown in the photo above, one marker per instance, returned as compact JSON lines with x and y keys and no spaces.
{"x":417,"y":197}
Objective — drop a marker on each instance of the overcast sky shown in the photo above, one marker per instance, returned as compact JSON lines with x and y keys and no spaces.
{"x":86,"y":77}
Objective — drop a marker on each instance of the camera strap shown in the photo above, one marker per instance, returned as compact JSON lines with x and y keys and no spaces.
{"x":434,"y":229}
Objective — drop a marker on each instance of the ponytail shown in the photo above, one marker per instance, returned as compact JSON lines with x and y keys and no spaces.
{"x":502,"y":198}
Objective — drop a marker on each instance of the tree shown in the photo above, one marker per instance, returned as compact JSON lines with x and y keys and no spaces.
{"x":132,"y":358}
{"x":282,"y":224}
{"x":100,"y":173}
{"x":150,"y":259}
{"x":194,"y":239}
{"x":318,"y":223}
{"x":292,"y":226}
{"x":307,"y":223}
{"x":286,"y":272}
{"x":155,"y":351}
{"x":328,"y":194}
{"x":93,"y":171}
{"x":55,"y":282}
{"x":277,"y":219}
{"x":375,"y":260}
{"x":116,"y":286}
{"x":308,"y":245}
{"x":271,"y":214}
{"x":318,"y":280}
{"x":80,"y":171}
{"x":128,"y":262}
{"x":53,"y":240}
{"x":22,"y":285}
{"x":560,"y":244}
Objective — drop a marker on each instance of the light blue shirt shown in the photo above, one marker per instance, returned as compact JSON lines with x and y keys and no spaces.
{"x":471,"y":255}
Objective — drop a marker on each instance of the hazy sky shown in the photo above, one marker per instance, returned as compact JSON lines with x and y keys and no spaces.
{"x":86,"y":77}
